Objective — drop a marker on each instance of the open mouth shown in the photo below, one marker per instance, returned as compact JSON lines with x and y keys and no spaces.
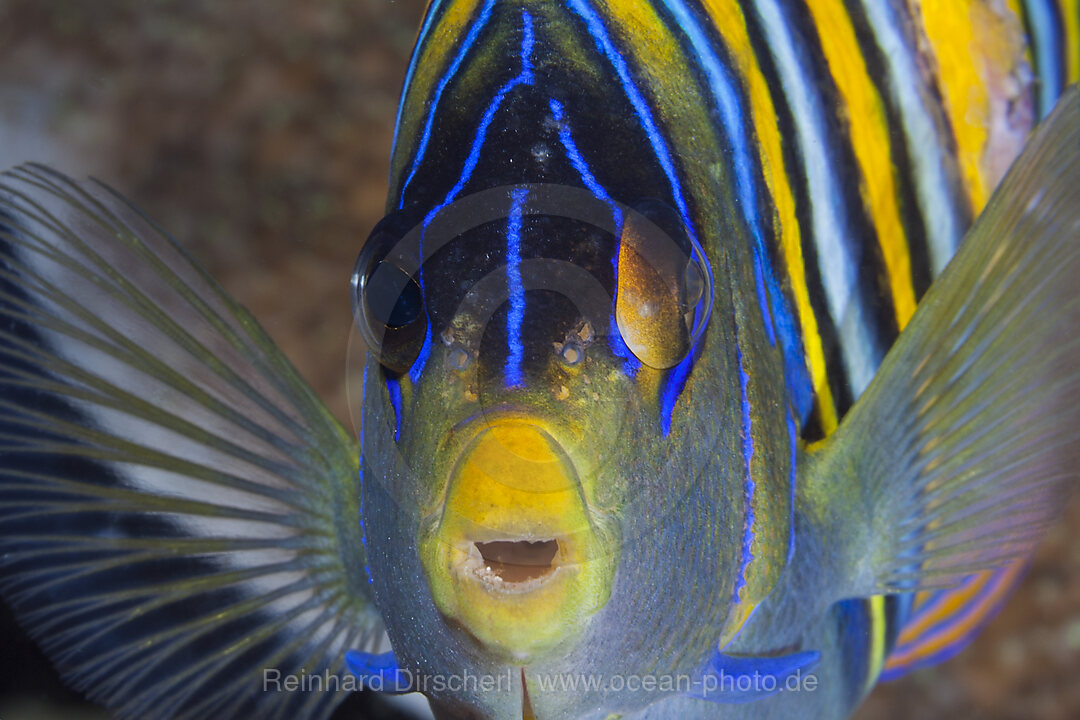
{"x":514,"y":565}
{"x":512,"y":554}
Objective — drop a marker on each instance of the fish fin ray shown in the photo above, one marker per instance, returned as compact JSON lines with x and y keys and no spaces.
{"x":942,"y":622}
{"x":967,"y":442}
{"x":178,"y":510}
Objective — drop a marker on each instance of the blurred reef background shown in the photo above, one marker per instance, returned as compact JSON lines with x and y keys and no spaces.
{"x":258,"y":133}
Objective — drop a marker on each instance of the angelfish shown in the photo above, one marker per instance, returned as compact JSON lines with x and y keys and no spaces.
{"x":689,"y":391}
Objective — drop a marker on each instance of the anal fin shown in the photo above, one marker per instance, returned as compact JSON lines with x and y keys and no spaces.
{"x":941,"y":623}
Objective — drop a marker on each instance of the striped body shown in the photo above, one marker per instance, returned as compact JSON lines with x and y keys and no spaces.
{"x":866,"y":131}
{"x":855,"y":141}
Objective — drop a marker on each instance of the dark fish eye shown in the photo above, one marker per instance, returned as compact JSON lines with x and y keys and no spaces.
{"x":664,"y":290}
{"x":388,"y":301}
{"x":393,"y":298}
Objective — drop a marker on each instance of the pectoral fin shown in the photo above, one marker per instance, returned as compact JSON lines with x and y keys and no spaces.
{"x":967,"y":442}
{"x":178,"y":511}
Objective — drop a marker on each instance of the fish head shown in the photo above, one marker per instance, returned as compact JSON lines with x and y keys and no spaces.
{"x":553,"y":412}
{"x":513,"y":393}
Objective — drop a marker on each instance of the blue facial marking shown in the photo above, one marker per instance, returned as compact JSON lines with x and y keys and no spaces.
{"x":793,"y":439}
{"x":577,"y":161}
{"x":517,"y":293}
{"x":394,"y":388}
{"x":425,"y":136}
{"x":525,"y":77}
{"x":417,"y":368}
{"x":748,"y":481}
{"x":673,"y":387}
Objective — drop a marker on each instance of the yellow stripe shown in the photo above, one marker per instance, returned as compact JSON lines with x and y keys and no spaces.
{"x":876,"y":657}
{"x":729,"y":20}
{"x":1070,"y":12}
{"x":1016,"y":7}
{"x":949,"y":28}
{"x":977,"y":46}
{"x":913,"y":646}
{"x":435,"y":57}
{"x":870,"y":139}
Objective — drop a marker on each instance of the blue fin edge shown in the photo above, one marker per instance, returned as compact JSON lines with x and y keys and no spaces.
{"x":379,"y":672}
{"x":733,"y":679}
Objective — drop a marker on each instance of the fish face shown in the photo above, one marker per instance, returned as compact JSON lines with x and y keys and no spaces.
{"x":514,"y":396}
{"x":556,"y":443}
{"x":517,"y":386}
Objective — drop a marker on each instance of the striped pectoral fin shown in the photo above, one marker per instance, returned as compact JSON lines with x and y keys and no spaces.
{"x":941,"y":623}
{"x":967,"y":442}
{"x":178,"y":512}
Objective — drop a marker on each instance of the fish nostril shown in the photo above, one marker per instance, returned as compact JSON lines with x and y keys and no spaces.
{"x":516,"y":561}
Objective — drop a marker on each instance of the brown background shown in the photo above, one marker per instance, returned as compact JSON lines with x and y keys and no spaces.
{"x":258,"y":133}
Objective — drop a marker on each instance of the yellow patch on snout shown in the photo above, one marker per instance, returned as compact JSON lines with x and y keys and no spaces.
{"x":514,"y":557}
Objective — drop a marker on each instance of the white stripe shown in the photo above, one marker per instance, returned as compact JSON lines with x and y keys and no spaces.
{"x":838,"y":271}
{"x":146,"y":434}
{"x":932,"y":187}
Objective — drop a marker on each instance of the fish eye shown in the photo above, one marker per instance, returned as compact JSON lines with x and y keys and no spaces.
{"x":393,"y":298}
{"x":664,"y":285}
{"x":387,"y":300}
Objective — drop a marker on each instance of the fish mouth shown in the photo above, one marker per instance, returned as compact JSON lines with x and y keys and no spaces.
{"x":513,"y":554}
{"x":514,"y":566}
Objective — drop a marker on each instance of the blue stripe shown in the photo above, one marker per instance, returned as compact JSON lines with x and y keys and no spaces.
{"x":517,"y":292}
{"x":793,"y":439}
{"x":615,"y":340}
{"x":525,"y":77}
{"x":733,"y":120}
{"x":641,"y":109}
{"x":394,"y":388}
{"x":945,"y":623}
{"x":957,"y":645}
{"x":425,"y":137}
{"x":421,"y":360}
{"x":579,"y":164}
{"x":727,"y":100}
{"x":673,"y":387}
{"x":1045,"y":28}
{"x":748,"y":480}
{"x":429,"y":18}
{"x":676,"y":380}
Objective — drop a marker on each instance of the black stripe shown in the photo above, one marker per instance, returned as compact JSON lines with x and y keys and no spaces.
{"x":836,"y":375}
{"x":915,"y":224}
{"x":874,"y":289}
{"x":946,"y":134}
{"x":893,"y":622}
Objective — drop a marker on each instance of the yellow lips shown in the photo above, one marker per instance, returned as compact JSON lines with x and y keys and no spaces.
{"x":514,"y":557}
